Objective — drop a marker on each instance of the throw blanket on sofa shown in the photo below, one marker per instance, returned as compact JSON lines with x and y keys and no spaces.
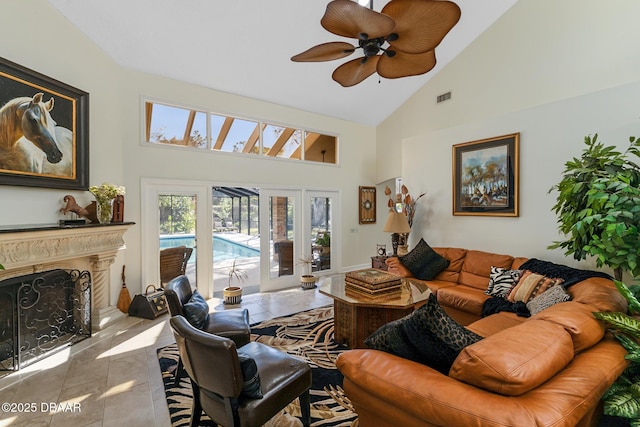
{"x":569,"y":275}
{"x":496,"y":304}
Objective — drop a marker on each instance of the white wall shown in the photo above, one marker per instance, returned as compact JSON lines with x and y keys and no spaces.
{"x":549,"y":136}
{"x":38,"y":37}
{"x":553,"y":71}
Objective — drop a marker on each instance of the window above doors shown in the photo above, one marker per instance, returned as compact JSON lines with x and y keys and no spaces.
{"x":196,"y":129}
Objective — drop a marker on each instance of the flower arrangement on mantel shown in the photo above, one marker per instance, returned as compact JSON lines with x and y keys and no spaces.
{"x":104,"y":195}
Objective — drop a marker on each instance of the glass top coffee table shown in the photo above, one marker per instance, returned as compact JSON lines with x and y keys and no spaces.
{"x":356,"y":317}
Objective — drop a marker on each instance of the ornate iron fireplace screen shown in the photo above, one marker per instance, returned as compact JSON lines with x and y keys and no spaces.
{"x":42,"y":313}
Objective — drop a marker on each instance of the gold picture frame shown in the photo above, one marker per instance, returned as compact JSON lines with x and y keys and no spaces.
{"x":367,"y":205}
{"x":485,"y":176}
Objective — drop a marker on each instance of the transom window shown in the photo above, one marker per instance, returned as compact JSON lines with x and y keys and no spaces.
{"x":176,"y":126}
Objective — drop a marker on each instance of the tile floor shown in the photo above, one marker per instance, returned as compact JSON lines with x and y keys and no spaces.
{"x":113,"y":378}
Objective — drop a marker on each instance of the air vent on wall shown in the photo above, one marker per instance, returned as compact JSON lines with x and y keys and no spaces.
{"x":443,"y":97}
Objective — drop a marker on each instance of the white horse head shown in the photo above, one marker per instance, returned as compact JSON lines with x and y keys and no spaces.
{"x":27,"y":118}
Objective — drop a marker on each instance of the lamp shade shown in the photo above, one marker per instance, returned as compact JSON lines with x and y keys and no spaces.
{"x":397,"y":223}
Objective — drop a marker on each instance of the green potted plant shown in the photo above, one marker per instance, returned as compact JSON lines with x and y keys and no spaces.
{"x":307,"y":280}
{"x":324,"y":240}
{"x":622,"y":399}
{"x":598,"y":207}
{"x":233,"y":294}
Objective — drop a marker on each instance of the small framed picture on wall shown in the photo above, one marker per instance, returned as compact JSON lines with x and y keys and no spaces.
{"x":367,"y":205}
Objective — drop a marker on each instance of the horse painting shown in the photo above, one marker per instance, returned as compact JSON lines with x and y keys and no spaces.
{"x":28,"y":141}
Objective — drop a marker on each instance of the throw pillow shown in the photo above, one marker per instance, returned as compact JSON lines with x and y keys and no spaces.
{"x":196,"y":310}
{"x":531,"y":285}
{"x":251,"y":384}
{"x":428,"y":336}
{"x":501,"y":281}
{"x":423,"y":262}
{"x":552,"y":296}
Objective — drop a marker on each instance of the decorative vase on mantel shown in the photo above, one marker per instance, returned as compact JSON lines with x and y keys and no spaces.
{"x":104,"y":210}
{"x":104,"y":195}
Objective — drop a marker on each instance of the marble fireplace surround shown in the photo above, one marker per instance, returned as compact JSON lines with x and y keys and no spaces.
{"x":92,"y":247}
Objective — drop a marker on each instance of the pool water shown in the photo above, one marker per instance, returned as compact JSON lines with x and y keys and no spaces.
{"x":223,"y":249}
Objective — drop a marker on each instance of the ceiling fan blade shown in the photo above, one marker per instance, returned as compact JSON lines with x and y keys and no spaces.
{"x":421,"y":24}
{"x":324,"y":52}
{"x":353,"y":72}
{"x":348,"y":19}
{"x":406,"y":64}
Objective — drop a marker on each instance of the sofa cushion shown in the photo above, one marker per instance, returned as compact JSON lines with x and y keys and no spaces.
{"x":456,"y":258}
{"x":600,"y":293}
{"x":428,"y":336}
{"x":517,"y":262}
{"x":531,"y":285}
{"x":578,"y":320}
{"x":515,"y":360}
{"x":501,"y":281}
{"x":552,"y":296}
{"x":495,"y":323}
{"x":196,"y":310}
{"x":464,"y":298}
{"x":423,"y":262}
{"x":476,"y":268}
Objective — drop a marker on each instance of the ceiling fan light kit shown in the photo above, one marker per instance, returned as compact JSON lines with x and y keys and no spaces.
{"x":397,"y":42}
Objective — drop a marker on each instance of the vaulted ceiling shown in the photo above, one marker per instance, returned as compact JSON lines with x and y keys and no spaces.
{"x":244,"y":47}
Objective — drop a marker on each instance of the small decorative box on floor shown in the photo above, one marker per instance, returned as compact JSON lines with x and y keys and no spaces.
{"x":372,"y":282}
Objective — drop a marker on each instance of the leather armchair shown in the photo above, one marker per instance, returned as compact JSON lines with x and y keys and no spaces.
{"x":217,"y":379}
{"x":232,"y":324}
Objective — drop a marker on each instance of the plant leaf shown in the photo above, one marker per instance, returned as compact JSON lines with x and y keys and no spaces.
{"x":620,"y":322}
{"x":622,"y":405}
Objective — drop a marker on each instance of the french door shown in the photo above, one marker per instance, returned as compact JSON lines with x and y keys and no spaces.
{"x":280,"y":238}
{"x":163,"y":227}
{"x":293,"y":224}
{"x":296,"y":225}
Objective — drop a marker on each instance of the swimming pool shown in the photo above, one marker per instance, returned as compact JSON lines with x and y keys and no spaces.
{"x":223,"y":249}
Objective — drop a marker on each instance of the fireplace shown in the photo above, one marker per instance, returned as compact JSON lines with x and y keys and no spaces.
{"x":42,"y":313}
{"x":31,"y":249}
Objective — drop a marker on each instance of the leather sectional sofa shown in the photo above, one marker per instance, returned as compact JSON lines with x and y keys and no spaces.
{"x":549,"y":369}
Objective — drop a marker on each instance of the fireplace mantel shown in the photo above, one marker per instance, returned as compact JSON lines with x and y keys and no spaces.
{"x":34,"y":248}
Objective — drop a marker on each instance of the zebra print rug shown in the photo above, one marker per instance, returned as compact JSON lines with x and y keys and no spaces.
{"x":307,"y":335}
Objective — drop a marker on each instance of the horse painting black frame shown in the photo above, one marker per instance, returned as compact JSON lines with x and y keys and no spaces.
{"x":38,"y":151}
{"x":485,"y":176}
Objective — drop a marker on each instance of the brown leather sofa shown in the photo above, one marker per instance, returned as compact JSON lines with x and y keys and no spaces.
{"x":549,"y":369}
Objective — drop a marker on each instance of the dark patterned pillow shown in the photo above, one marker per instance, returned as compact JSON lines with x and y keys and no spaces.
{"x":501,"y":281}
{"x":196,"y":310}
{"x":251,"y":384}
{"x":428,"y":336}
{"x":423,"y":262}
{"x":552,"y":296}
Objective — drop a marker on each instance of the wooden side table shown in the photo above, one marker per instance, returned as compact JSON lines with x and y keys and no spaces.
{"x":356,"y":318}
{"x":379,"y":262}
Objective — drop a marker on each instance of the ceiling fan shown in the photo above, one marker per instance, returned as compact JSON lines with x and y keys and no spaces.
{"x":399,"y":41}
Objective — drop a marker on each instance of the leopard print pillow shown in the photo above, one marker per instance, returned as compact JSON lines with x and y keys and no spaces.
{"x":431,"y":317}
{"x":428,"y":336}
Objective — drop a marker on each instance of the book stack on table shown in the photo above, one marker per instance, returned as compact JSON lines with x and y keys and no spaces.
{"x":372,"y":283}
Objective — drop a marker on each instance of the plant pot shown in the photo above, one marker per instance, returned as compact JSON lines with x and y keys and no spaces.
{"x":232,"y":295}
{"x":308,"y":281}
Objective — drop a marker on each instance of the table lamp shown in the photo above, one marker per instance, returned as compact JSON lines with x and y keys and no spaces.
{"x":396,"y":224}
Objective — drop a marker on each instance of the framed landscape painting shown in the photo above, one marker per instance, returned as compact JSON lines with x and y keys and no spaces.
{"x":485,"y":176}
{"x":44,"y":130}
